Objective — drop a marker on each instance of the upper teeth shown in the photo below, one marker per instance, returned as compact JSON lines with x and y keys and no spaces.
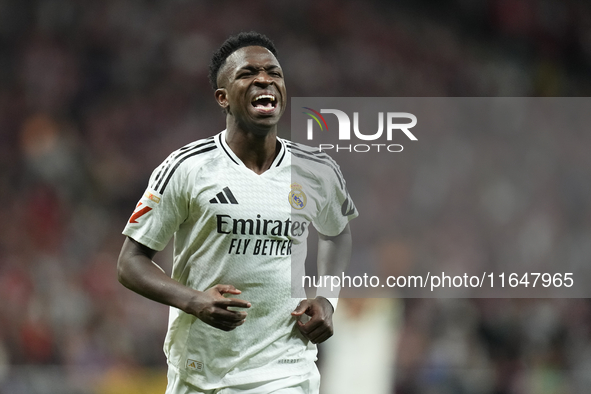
{"x":264,"y":96}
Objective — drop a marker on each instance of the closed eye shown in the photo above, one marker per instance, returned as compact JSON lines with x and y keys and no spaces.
{"x":245,"y":74}
{"x":250,"y":71}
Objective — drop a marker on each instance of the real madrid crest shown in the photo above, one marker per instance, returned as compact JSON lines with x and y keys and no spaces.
{"x":297,"y":198}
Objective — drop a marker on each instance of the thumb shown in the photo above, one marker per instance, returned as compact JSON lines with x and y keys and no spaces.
{"x":301,"y":308}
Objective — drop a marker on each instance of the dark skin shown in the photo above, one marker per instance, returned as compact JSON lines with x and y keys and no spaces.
{"x":252,"y":135}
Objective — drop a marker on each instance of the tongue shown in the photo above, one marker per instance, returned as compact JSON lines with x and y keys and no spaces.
{"x":266,"y":105}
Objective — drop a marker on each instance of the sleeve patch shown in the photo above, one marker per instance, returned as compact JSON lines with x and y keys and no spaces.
{"x":152,"y":197}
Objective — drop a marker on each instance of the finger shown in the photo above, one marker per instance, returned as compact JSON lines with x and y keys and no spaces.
{"x":305,"y":328}
{"x":302,"y":329}
{"x":319,"y":332}
{"x":322,"y":338}
{"x":233,"y":325}
{"x":222,"y":289}
{"x":301,"y":308}
{"x":310,"y":325}
{"x":226,"y":302}
{"x":224,"y":315}
{"x":226,"y":326}
{"x":318,"y":335}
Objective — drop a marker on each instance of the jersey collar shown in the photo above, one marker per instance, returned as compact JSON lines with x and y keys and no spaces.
{"x":221,"y":141}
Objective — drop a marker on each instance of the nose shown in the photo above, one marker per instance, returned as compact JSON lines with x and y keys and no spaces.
{"x":263,"y":79}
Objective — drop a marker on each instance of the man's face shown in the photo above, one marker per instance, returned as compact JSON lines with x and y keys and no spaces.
{"x":252,"y":89}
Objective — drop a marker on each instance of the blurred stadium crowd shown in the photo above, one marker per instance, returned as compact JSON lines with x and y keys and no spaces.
{"x":95,"y":94}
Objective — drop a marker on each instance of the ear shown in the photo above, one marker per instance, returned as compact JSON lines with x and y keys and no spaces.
{"x":221,"y":96}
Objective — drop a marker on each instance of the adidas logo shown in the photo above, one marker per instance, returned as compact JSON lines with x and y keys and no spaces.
{"x":224,"y":197}
{"x":193,"y":364}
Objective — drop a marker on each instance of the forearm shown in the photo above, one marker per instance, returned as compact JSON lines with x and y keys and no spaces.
{"x":137,"y":272}
{"x":334,"y":255}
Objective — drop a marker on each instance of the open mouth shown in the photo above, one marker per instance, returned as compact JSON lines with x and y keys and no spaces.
{"x":264,"y":102}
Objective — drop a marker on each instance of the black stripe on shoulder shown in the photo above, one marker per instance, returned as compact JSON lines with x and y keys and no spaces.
{"x":178,"y":155}
{"x":163,"y":167}
{"x":282,"y":156}
{"x":180,"y":160}
{"x":319,"y":157}
{"x":166,"y":165}
{"x":321,"y":162}
{"x":224,"y":148}
{"x":311,"y":151}
{"x":315,"y":152}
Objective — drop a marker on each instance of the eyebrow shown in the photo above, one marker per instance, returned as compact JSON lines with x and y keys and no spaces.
{"x":250,"y":67}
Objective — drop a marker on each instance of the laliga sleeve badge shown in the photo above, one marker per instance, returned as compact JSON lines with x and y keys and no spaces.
{"x":297,"y":198}
{"x":152,"y":197}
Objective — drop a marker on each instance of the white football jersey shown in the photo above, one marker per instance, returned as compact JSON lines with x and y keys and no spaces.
{"x":232,"y":226}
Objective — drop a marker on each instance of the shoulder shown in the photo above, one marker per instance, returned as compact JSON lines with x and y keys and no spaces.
{"x":183,"y":160}
{"x":194,"y":150}
{"x":309,"y":154}
{"x":315,"y":161}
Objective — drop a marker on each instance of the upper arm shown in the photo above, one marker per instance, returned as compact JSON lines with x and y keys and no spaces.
{"x":132,"y":252}
{"x":131,"y":248}
{"x":335,"y":249}
{"x":346,"y":233}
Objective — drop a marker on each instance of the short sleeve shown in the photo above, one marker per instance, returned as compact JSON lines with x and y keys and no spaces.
{"x":338,"y":208}
{"x":162,"y":208}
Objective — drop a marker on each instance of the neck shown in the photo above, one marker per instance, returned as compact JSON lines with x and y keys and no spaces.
{"x":256,"y":150}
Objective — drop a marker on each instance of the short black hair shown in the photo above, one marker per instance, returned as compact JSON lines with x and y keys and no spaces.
{"x":231,"y":45}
